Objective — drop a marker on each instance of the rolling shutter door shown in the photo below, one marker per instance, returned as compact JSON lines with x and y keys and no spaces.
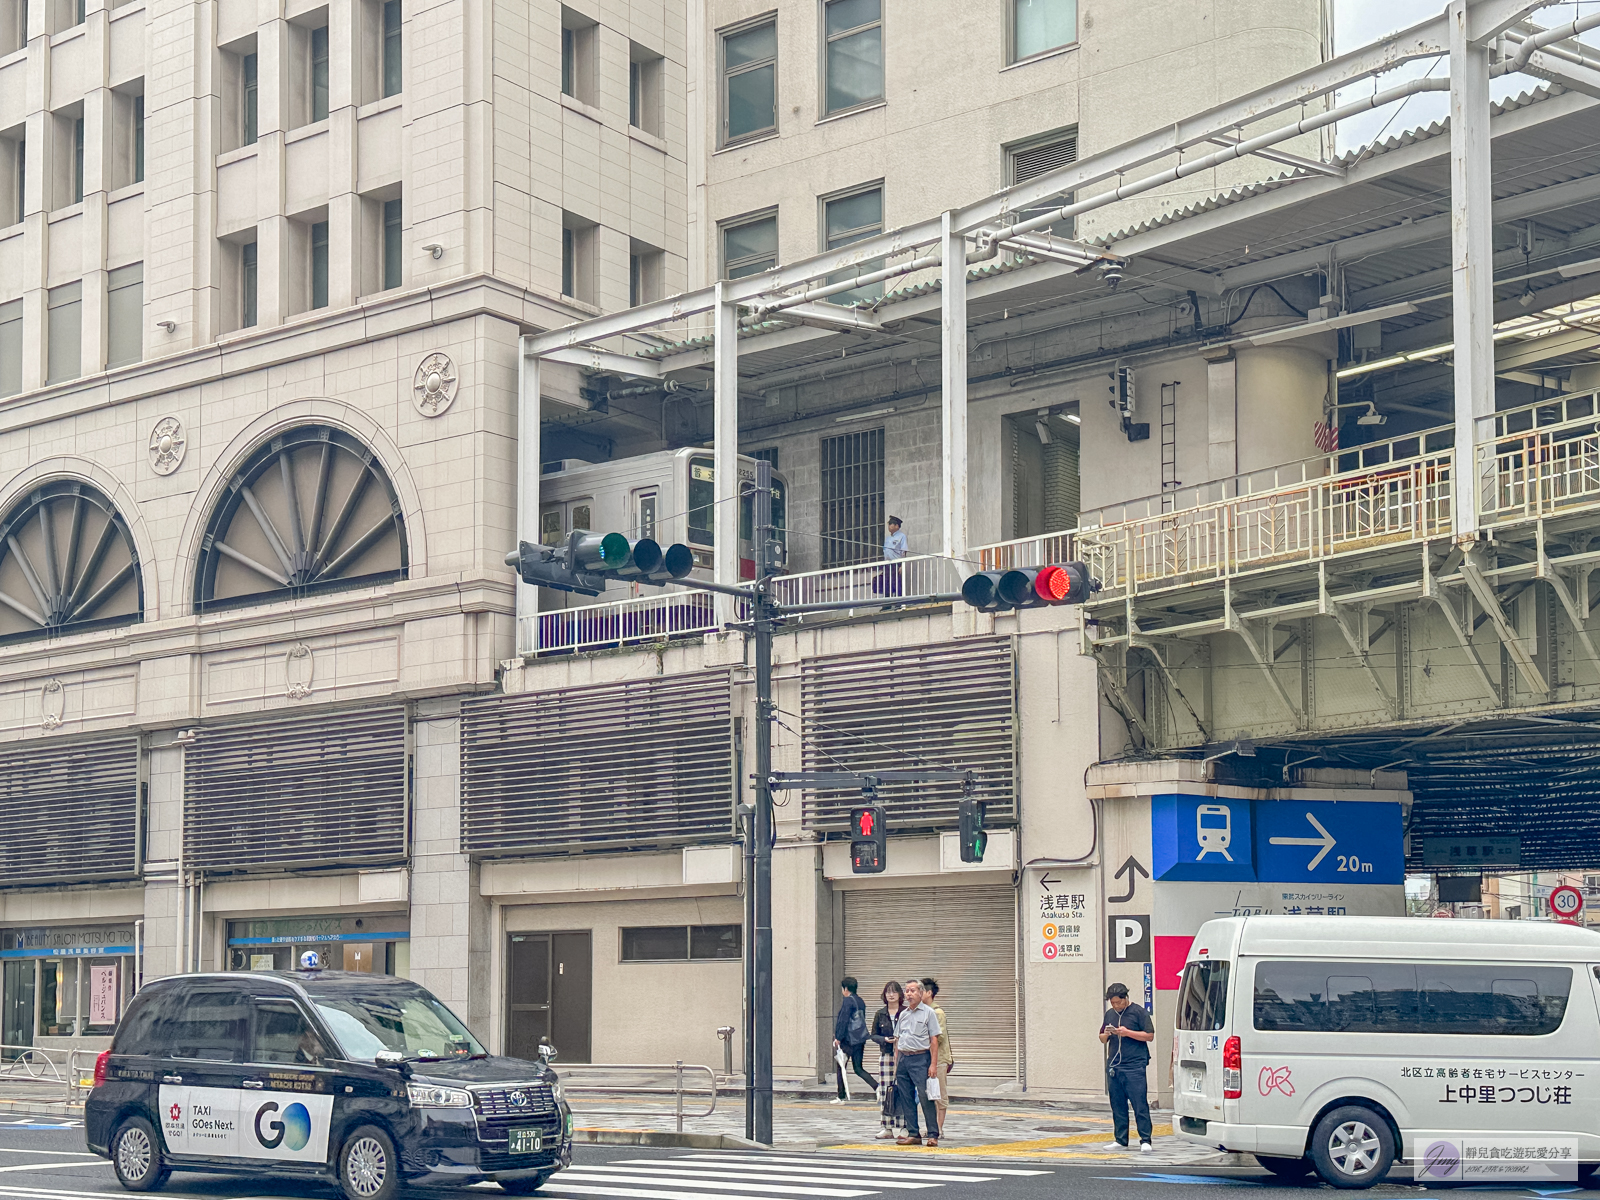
{"x":69,"y":811}
{"x":947,"y":705}
{"x":315,"y":790}
{"x":648,"y":762}
{"x":965,"y":937}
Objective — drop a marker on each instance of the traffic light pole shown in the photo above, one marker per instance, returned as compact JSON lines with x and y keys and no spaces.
{"x":759,"y":1070}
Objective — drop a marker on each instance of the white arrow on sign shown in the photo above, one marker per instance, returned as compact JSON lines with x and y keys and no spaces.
{"x":1326,"y":841}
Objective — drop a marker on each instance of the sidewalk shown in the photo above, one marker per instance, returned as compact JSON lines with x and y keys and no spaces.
{"x":1041,"y":1131}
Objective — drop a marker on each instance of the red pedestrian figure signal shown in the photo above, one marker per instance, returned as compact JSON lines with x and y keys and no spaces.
{"x":869,"y":844}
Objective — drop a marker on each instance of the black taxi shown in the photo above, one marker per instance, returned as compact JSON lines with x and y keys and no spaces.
{"x":365,"y":1080}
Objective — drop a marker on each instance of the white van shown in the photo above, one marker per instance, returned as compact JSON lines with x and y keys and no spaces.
{"x":1339,"y":1044}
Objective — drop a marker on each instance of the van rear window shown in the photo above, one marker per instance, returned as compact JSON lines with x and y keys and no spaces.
{"x":1389,"y":997}
{"x":1203,"y":995}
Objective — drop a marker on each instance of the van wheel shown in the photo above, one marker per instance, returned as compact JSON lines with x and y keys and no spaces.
{"x":369,"y":1168}
{"x":523,"y":1187}
{"x":136,"y":1155}
{"x":1352,"y":1147}
{"x":1286,"y":1168}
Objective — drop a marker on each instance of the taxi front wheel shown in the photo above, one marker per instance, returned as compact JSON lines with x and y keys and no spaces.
{"x":369,"y":1168}
{"x":136,"y":1155}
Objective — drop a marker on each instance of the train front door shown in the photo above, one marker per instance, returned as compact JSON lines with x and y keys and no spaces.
{"x":549,"y":994}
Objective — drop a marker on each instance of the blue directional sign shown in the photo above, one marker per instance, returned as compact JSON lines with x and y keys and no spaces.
{"x":1276,"y":841}
{"x":1322,"y":841}
{"x":1201,"y":837}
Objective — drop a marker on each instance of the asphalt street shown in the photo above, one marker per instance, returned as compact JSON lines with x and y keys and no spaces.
{"x":43,"y":1159}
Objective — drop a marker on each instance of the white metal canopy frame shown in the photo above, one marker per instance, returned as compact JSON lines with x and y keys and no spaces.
{"x":1476,"y":39}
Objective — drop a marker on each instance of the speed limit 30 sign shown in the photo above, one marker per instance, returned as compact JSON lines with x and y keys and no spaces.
{"x":1566,"y":901}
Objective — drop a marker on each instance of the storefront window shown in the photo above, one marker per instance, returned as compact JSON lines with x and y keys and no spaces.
{"x":377,"y":943}
{"x":64,"y":982}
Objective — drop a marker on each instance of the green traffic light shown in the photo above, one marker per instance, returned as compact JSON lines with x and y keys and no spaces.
{"x":614,"y":550}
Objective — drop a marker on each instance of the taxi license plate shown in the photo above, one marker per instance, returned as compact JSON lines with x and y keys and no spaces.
{"x":526,"y":1141}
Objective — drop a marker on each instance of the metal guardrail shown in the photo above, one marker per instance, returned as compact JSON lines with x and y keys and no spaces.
{"x":871,"y":582}
{"x":677,"y":1089}
{"x":45,"y":1073}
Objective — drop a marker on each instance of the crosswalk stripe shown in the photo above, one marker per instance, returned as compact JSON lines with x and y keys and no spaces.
{"x":774,"y":1175}
{"x":50,"y":1166}
{"x":586,"y":1189}
{"x":896,"y":1163}
{"x":878,"y":1174}
{"x":810,"y":1187}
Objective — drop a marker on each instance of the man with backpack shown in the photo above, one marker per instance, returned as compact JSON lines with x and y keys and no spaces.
{"x":850,"y":1036}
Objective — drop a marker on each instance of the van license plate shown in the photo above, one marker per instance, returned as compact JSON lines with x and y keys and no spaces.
{"x":526,"y":1141}
{"x":1197,"y":1079}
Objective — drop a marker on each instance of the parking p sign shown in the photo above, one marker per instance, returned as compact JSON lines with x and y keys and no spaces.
{"x":1566,"y":902}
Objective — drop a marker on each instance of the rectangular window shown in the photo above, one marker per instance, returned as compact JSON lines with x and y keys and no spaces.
{"x":77,"y":161}
{"x":210,"y":1026}
{"x":64,"y":353}
{"x":635,"y":280}
{"x":80,"y":11}
{"x":319,"y":265}
{"x":319,"y":74}
{"x":578,"y":34}
{"x":250,"y":108}
{"x":644,"y":273}
{"x":646,"y":528}
{"x":13,"y":28}
{"x":125,"y":315}
{"x":847,"y":219}
{"x":644,"y":89}
{"x":635,"y":95}
{"x":138,"y":138}
{"x":750,"y":247}
{"x":11,"y":348}
{"x":770,"y":454}
{"x":282,"y":1035}
{"x":391,"y":244}
{"x":853,"y":61}
{"x":1512,"y":999}
{"x":750,"y":82}
{"x":1203,"y":996}
{"x":22,"y":177}
{"x":247,"y":285}
{"x":1041,"y":25}
{"x":852,"y":498}
{"x":391,"y":47}
{"x":577,"y":258}
{"x":569,"y":262}
{"x":678,"y":943}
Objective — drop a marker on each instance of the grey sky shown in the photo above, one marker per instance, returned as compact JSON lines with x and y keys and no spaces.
{"x":1357,"y":22}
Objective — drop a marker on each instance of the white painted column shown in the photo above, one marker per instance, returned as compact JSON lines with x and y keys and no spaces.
{"x":725,"y":423}
{"x":953,"y":389}
{"x":528,"y":450}
{"x":1471,"y":257}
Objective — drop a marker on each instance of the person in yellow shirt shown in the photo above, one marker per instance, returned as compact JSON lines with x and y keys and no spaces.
{"x":947,"y":1062}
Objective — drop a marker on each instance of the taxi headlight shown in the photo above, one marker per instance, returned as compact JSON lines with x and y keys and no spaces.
{"x":427,"y":1095}
{"x":558,"y":1092}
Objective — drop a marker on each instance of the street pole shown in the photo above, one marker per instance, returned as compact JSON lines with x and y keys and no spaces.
{"x":747,"y":827}
{"x":759,"y":1111}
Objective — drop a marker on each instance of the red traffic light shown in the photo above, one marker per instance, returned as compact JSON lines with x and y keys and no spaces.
{"x":1052,"y":584}
{"x":864,"y":822}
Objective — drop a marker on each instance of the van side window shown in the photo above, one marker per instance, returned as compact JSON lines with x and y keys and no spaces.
{"x":283,"y":1035}
{"x":1203,"y":996}
{"x":1357,"y":997}
{"x":209,"y":1025}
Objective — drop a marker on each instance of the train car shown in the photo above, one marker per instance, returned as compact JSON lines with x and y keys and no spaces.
{"x":669,"y":496}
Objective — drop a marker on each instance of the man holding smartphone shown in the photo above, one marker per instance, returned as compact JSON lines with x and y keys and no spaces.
{"x":1128,"y":1030}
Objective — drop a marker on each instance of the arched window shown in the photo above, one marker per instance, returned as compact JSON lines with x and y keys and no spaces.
{"x":67,"y":563}
{"x":310,"y":511}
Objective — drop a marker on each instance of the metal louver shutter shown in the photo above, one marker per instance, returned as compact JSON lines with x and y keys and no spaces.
{"x":313,"y":790}
{"x":1030,"y":162}
{"x":947,"y":705}
{"x":647,"y":762}
{"x":964,"y":937}
{"x":69,"y":811}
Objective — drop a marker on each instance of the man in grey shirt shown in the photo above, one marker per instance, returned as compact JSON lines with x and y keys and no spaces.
{"x":916,"y":1046}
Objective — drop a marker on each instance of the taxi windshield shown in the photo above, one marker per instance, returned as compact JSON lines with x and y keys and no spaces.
{"x":406,"y":1020}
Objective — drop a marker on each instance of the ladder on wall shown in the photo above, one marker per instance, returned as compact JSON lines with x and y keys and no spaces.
{"x":1169,"y":445}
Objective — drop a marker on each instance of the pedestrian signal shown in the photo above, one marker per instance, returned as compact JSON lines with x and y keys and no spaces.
{"x":869,"y":840}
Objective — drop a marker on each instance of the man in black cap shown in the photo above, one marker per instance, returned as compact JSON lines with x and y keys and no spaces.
{"x":1128,"y":1029}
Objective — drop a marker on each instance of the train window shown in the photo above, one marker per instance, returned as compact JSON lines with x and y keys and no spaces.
{"x":581,"y":517}
{"x":550,"y":530}
{"x":647,"y":515}
{"x":702,"y":502}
